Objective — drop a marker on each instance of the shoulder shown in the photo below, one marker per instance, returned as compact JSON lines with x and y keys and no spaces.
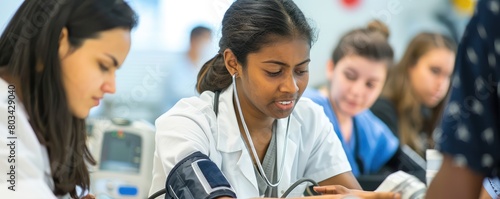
{"x":192,"y":105}
{"x":369,"y":116}
{"x":369,"y":120}
{"x":315,"y":96}
{"x":30,"y":160}
{"x":307,"y":108}
{"x":4,"y":93}
{"x":383,"y":104}
{"x":188,"y":111}
{"x":10,"y":106}
{"x":384,"y":109}
{"x":311,"y":118}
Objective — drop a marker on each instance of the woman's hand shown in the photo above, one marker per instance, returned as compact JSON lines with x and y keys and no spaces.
{"x":338,"y":191}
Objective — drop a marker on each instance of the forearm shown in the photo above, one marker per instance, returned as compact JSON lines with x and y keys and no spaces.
{"x":345,"y":179}
{"x":454,"y":182}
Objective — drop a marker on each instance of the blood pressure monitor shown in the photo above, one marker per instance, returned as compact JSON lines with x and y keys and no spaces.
{"x":124,"y":151}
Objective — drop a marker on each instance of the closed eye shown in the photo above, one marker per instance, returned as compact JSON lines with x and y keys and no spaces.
{"x":103,"y":68}
{"x":435,"y":70}
{"x":370,"y":85}
{"x":301,"y":72}
{"x":273,"y":74}
{"x":350,"y":76}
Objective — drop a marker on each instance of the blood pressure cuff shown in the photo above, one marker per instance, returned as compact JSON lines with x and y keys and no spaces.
{"x":197,"y":177}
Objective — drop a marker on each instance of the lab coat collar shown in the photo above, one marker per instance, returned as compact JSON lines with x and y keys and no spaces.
{"x":228,"y":132}
{"x":229,"y":140}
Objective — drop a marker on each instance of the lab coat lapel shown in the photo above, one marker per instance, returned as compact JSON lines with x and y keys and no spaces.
{"x":246,"y":167}
{"x":228,"y":133}
{"x":291,"y":150}
{"x":229,"y":139}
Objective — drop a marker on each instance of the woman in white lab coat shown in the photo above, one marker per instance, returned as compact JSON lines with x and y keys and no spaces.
{"x":57,"y":60}
{"x":258,"y":132}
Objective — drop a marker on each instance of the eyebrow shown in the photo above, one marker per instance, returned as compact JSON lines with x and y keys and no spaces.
{"x":284,"y":64}
{"x":115,"y":63}
{"x":351,"y":70}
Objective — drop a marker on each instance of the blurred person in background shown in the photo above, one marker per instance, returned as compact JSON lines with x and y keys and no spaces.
{"x":412,"y":101}
{"x":469,"y":135}
{"x":357,"y":72}
{"x":181,"y":76}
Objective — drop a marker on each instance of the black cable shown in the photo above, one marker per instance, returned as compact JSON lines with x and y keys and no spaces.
{"x":158,"y":193}
{"x":290,"y":189}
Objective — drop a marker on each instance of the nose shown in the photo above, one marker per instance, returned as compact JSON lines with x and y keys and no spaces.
{"x":443,"y":84}
{"x":357,"y":88}
{"x":109,"y":85}
{"x":289,"y":85}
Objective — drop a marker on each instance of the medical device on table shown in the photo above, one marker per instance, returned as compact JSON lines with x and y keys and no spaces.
{"x":124,"y":151}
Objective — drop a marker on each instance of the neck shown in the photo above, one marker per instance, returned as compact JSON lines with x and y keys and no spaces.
{"x":256,"y":123}
{"x":259,"y":128}
{"x":341,"y":117}
{"x":345,"y":121}
{"x":193,"y":55}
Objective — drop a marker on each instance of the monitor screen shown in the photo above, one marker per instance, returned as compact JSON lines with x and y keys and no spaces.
{"x":121,"y":152}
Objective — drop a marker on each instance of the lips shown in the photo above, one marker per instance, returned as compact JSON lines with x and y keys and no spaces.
{"x":351,"y":103}
{"x":96,"y":100}
{"x":285,"y":104}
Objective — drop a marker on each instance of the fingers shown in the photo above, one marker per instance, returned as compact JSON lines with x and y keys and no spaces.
{"x":332,"y":189}
{"x":378,"y":195}
{"x":337,"y":191}
{"x":354,"y":196}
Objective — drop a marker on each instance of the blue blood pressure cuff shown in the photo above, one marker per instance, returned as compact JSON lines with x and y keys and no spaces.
{"x":197,"y":177}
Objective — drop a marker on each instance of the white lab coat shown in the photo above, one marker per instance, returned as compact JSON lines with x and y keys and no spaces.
{"x":33,"y":177}
{"x":314,"y":151}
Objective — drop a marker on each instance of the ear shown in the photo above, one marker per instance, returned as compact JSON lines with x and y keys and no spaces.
{"x":64,"y":45}
{"x":329,"y":69}
{"x":231,"y":62}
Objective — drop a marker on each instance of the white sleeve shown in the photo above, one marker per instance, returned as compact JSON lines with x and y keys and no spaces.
{"x":21,"y":154}
{"x":181,"y":133}
{"x":327,"y":157}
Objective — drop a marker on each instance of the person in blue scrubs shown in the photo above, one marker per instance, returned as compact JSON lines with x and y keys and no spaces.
{"x":356,"y":73}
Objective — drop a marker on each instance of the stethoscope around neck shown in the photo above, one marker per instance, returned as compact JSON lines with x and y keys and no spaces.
{"x":254,"y":153}
{"x":250,"y":146}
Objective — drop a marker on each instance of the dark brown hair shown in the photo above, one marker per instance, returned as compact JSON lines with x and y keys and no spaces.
{"x":370,"y":42}
{"x":247,"y":26}
{"x":31,"y":39}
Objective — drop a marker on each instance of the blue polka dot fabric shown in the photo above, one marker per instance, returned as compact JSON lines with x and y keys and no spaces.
{"x":470,"y":130}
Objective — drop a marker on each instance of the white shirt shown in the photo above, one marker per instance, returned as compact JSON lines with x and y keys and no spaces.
{"x":314,"y":151}
{"x":29,"y":158}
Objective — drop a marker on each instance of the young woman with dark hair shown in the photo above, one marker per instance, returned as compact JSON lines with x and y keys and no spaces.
{"x":249,"y":133}
{"x":57,"y":60}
